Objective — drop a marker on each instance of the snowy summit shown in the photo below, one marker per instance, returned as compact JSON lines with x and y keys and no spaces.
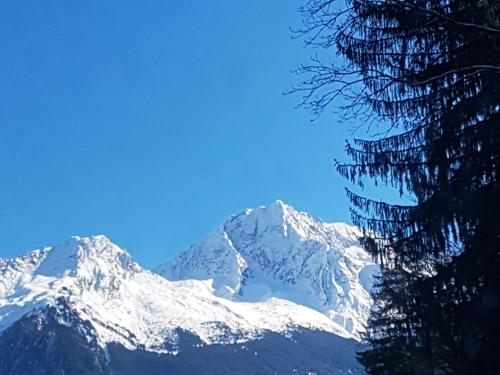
{"x":270,"y":269}
{"x":278,"y":252}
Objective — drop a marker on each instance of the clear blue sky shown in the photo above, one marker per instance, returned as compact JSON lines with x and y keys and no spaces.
{"x":153,"y":121}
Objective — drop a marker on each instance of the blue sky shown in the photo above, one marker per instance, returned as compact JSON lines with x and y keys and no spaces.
{"x":152,"y":122}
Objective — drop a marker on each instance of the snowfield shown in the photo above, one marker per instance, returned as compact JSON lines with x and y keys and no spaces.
{"x":268,"y":269}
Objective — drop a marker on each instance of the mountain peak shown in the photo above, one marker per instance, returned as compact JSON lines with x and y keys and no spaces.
{"x":277,"y":251}
{"x":86,"y":257}
{"x":279,"y":202}
{"x":279,"y":205}
{"x":272,"y":215}
{"x":280,"y":209}
{"x":268,"y":269}
{"x":100,"y":283}
{"x":277,"y":214}
{"x":85,"y":262}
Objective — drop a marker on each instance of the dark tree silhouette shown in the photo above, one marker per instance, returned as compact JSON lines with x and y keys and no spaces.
{"x":430,"y":69}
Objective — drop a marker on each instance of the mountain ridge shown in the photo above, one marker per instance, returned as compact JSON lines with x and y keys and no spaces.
{"x":268,"y":287}
{"x":277,"y":251}
{"x":138,"y":308}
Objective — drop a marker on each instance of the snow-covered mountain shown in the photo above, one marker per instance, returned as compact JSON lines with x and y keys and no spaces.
{"x":134,"y":307}
{"x":279,"y":252}
{"x":268,"y":271}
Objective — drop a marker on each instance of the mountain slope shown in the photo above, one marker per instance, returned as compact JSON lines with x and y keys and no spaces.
{"x":56,"y":341}
{"x":270,"y":291}
{"x":134,"y":307}
{"x":277,"y":251}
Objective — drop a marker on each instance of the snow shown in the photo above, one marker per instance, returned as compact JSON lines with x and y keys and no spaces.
{"x":277,"y":251}
{"x":272,"y":268}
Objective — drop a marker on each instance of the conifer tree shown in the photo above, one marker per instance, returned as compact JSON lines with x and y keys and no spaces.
{"x":430,"y":69}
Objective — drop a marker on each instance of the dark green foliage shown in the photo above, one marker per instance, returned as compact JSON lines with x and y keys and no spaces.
{"x":430,"y":69}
